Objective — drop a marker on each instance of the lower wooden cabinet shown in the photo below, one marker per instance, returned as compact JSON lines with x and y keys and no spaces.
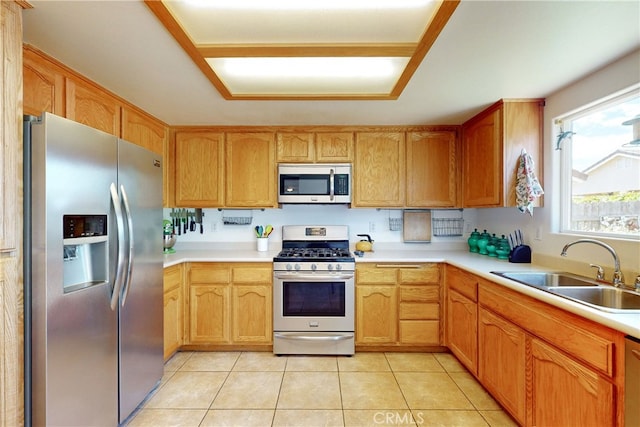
{"x":398,"y":305}
{"x":547,"y":366}
{"x":173,"y":310}
{"x":230,"y":303}
{"x":462,"y":317}
{"x":566,"y":392}
{"x":502,"y":364}
{"x":376,"y":315}
{"x":209,"y":314}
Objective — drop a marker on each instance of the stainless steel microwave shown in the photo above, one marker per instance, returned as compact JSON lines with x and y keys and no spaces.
{"x":314,"y":183}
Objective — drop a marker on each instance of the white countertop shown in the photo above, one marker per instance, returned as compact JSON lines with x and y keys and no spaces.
{"x":474,"y":263}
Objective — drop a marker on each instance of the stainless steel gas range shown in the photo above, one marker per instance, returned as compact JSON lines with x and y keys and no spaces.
{"x":314,"y":291}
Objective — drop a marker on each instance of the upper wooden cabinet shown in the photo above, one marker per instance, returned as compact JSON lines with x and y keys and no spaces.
{"x":44,"y":85}
{"x":314,"y":147}
{"x":491,"y":145}
{"x":199,"y":169}
{"x":293,"y":147}
{"x":379,"y":175}
{"x":86,"y":105}
{"x":143,"y":130}
{"x":250,"y":170}
{"x":334,"y":147}
{"x":431,"y":169}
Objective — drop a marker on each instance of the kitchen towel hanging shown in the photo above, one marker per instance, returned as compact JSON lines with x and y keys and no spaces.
{"x":528,"y":187}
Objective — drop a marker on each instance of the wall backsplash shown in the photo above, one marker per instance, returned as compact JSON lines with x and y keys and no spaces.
{"x":374,"y":222}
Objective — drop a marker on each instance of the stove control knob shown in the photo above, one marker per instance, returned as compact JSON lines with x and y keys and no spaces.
{"x":329,"y":267}
{"x":297,"y":267}
{"x":314,"y":267}
{"x":289,"y":267}
{"x":338,"y":267}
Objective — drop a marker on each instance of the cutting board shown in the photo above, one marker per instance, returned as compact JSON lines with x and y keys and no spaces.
{"x":417,"y":226}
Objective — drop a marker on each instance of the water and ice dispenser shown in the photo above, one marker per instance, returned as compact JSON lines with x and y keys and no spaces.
{"x":86,"y":251}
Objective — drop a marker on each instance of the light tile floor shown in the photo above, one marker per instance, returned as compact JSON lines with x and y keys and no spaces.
{"x":369,"y":389}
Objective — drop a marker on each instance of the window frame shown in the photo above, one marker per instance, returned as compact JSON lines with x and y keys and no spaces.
{"x":566,"y":164}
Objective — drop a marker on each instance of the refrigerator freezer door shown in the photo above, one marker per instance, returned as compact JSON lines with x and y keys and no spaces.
{"x":74,"y":334}
{"x":141,"y":334}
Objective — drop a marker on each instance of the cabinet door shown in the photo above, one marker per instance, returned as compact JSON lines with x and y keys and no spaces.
{"x":376,"y":315}
{"x":482,"y":161}
{"x":334,"y":147}
{"x":91,"y":106}
{"x":295,"y":147}
{"x":252,"y":314}
{"x":431,"y":169}
{"x":143,"y":130}
{"x":172,"y":321}
{"x":251,"y":170}
{"x":462,"y":329}
{"x":379,"y":175}
{"x":199,"y":169}
{"x":209,"y":314}
{"x":565,"y":392}
{"x":502,"y":362}
{"x":43,"y":86}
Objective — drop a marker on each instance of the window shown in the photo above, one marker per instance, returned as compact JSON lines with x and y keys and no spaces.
{"x":600,"y":172}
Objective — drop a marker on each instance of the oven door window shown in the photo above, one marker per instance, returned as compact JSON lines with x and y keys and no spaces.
{"x":313,"y":299}
{"x":304,"y":185}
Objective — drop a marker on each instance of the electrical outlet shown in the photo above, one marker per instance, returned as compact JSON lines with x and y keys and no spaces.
{"x":372,"y":226}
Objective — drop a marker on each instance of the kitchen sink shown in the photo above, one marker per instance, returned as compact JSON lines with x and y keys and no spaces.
{"x":602,"y":297}
{"x":545,"y":279}
{"x":579,"y":289}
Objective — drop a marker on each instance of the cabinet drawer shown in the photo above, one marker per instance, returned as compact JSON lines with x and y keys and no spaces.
{"x":172,"y":278}
{"x":419,"y":311}
{"x":426,"y":332}
{"x":252,"y":274}
{"x":376,"y":275}
{"x":574,"y":335}
{"x":427,"y":273}
{"x":463,"y":282}
{"x":421,"y":294}
{"x":209,"y":274}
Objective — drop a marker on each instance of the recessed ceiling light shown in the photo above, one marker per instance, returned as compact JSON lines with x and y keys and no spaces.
{"x":309,"y":4}
{"x":307,"y":67}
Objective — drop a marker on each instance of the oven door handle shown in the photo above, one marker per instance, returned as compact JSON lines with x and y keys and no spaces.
{"x":312,"y":277}
{"x":313,"y":337}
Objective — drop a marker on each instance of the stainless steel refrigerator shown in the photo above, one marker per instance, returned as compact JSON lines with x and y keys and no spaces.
{"x":93,"y":274}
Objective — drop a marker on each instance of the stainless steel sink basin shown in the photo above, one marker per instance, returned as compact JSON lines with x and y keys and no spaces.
{"x":545,"y":279}
{"x":602,"y":297}
{"x":579,"y":289}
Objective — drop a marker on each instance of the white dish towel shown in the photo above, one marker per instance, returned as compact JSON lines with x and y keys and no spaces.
{"x":528,"y":187}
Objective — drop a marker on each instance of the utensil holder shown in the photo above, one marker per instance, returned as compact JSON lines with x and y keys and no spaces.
{"x":520,"y":254}
{"x":262,"y":244}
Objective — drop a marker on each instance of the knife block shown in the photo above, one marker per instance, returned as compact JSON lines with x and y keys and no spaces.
{"x":520,"y":254}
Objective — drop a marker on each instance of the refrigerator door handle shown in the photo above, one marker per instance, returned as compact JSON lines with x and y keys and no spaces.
{"x":117,"y":280}
{"x":127,"y":277}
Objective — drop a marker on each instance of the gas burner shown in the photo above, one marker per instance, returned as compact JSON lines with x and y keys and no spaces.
{"x":324,"y":253}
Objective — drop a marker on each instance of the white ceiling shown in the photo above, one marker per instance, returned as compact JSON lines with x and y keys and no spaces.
{"x":488,"y":50}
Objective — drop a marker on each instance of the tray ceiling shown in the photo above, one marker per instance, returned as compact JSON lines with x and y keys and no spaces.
{"x":311,"y":49}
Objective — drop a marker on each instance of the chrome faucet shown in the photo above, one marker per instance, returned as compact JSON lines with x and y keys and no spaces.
{"x":618,"y":278}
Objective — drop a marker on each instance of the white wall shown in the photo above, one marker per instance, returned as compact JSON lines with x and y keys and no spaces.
{"x":374,"y":222}
{"x":545,"y":222}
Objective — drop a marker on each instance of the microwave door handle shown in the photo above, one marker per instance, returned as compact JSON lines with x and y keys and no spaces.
{"x":331,"y":185}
